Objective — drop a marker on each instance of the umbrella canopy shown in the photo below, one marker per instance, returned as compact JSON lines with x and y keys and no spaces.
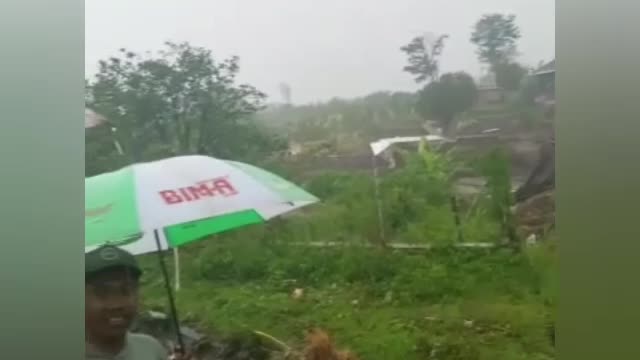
{"x":188,"y":197}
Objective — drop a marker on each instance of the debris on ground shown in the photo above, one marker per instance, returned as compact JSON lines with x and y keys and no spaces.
{"x":240,"y":346}
{"x":297,"y":294}
{"x":535,"y":200}
{"x":321,"y":347}
{"x":542,"y":178}
{"x":536,"y":215}
{"x":248,"y":345}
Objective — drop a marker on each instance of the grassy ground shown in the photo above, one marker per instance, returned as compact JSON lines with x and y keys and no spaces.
{"x":446,"y":304}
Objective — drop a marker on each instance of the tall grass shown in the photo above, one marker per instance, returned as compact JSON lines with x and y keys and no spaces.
{"x":445,"y":303}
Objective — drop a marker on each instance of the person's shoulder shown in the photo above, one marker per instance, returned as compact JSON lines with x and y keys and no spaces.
{"x":144,"y":340}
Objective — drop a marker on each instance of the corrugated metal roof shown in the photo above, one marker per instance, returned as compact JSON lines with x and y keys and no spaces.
{"x":381,"y":145}
{"x":488,"y":82}
{"x":547,"y":68}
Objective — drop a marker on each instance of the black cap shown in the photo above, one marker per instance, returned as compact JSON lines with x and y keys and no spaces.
{"x":109,"y":257}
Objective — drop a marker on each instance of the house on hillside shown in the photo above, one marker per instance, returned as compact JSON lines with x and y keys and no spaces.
{"x":546,"y":75}
{"x":295,"y":148}
{"x":489,"y":93}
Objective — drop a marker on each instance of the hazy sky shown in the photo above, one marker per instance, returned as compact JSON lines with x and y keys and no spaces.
{"x":321,"y":48}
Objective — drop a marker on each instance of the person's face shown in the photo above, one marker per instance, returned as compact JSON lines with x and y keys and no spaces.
{"x":111,"y":303}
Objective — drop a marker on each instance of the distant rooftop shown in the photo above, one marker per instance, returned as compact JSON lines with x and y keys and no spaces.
{"x":549,"y":67}
{"x":487,"y":81}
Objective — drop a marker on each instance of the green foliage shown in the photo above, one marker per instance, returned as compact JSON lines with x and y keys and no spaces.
{"x":440,"y":275}
{"x":339,"y":185}
{"x":178,"y":101}
{"x":495,"y":169}
{"x":524,"y":101}
{"x":544,"y":260}
{"x":444,"y":303}
{"x":368,"y":117}
{"x":452,"y":94}
{"x":423,"y":58}
{"x":416,"y":199}
{"x":101,"y":154}
{"x":495,"y":35}
{"x":528,"y":90}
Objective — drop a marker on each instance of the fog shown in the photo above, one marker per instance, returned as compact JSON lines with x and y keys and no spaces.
{"x":322,"y":49}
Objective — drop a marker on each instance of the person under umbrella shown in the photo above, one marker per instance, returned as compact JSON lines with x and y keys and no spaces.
{"x":111,"y":304}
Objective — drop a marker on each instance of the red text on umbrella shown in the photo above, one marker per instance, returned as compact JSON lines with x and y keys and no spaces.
{"x":202,"y":189}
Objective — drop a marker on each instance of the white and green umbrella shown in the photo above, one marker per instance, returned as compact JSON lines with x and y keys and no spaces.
{"x":186,"y":198}
{"x":164,"y":204}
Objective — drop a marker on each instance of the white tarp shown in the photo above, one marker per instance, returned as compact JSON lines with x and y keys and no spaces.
{"x":379,"y":146}
{"x":91,"y":119}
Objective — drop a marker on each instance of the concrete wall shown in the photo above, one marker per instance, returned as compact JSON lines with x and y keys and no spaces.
{"x":488,"y":97}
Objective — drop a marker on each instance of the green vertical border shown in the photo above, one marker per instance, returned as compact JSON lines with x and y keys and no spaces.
{"x":41,"y":154}
{"x":598,"y":179}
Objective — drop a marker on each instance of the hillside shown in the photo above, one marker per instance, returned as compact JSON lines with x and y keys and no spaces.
{"x":369,"y":117}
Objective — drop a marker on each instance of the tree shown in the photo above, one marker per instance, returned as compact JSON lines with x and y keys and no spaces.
{"x":365,"y":118}
{"x":178,"y":101}
{"x":423,"y":57}
{"x":451,"y":95}
{"x":528,"y":90}
{"x":101,"y":154}
{"x":495,"y":35}
{"x":496,"y":170}
{"x":509,"y":75}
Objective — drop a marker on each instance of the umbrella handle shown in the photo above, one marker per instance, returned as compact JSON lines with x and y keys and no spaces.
{"x":172,"y":305}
